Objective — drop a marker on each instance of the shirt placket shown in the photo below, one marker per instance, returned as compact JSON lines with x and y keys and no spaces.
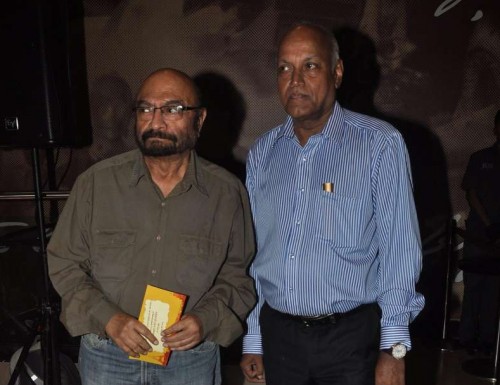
{"x":295,"y":254}
{"x":158,"y":243}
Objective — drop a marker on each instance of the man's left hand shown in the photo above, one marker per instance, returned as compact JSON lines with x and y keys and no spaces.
{"x":183,"y":335}
{"x":389,"y":371}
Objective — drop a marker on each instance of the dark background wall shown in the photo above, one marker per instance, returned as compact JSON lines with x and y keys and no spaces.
{"x":431,"y":68}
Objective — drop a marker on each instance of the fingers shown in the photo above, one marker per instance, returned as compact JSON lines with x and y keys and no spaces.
{"x":183,"y":335}
{"x":127,"y":333}
{"x":253,"y":368}
{"x":134,"y":345}
{"x":145,"y":332}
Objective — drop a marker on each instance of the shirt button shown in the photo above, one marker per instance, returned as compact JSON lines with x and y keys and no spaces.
{"x":290,"y":289}
{"x":162,"y":204}
{"x":292,"y":256}
{"x":302,"y":190}
{"x":297,"y":223}
{"x":158,"y":237}
{"x":153,"y":272}
{"x":304,"y":159}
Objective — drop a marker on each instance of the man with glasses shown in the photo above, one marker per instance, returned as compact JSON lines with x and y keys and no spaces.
{"x":161,"y":216}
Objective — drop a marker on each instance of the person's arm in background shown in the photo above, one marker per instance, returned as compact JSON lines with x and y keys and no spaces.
{"x":469,"y":184}
{"x":477,"y":206}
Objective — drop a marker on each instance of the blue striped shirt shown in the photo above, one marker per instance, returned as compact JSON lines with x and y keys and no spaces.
{"x":321,"y":252}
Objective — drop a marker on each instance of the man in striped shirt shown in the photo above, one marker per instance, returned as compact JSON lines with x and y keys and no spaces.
{"x":339,"y":248}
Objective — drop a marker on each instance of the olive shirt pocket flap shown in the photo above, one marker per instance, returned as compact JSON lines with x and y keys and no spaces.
{"x":192,"y":245}
{"x":115,"y":238}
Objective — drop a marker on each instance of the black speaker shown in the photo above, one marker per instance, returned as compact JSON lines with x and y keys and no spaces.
{"x":43,"y":80}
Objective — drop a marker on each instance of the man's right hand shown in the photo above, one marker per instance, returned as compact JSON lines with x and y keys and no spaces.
{"x":128,"y":333}
{"x":253,"y":367}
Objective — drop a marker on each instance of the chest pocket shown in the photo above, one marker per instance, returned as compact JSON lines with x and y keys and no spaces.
{"x":114,"y":251}
{"x":339,"y":219}
{"x":200,"y":260}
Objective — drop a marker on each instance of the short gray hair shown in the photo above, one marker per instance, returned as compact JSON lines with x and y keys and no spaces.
{"x":334,"y":45}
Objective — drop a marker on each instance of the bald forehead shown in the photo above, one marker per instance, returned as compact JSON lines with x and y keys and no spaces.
{"x":169,"y":81}
{"x":307,"y":32}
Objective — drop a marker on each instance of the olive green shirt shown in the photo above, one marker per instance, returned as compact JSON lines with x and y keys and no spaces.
{"x":118,"y":233}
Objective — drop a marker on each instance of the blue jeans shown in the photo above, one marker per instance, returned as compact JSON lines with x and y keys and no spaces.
{"x":101,"y":362}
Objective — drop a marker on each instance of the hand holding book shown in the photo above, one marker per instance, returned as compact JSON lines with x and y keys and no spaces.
{"x":160,"y":311}
{"x":183,"y":335}
{"x":130,"y":335}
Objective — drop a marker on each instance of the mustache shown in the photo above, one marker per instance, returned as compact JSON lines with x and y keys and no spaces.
{"x":151,"y":133}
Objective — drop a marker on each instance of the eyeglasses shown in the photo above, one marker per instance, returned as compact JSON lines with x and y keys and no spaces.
{"x":168,"y":111}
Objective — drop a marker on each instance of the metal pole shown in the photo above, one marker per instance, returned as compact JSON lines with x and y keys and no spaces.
{"x":30,"y":196}
{"x":449,"y":256}
{"x":52,"y":373}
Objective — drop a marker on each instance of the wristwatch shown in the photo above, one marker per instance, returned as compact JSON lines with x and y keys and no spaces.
{"x":397,"y":350}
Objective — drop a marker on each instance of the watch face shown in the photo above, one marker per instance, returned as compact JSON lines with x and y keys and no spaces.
{"x":399,"y":351}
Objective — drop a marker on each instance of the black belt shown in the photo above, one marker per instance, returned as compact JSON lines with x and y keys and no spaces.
{"x":326,"y":319}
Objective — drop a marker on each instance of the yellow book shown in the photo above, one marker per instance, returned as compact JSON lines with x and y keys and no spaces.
{"x":160,"y":310}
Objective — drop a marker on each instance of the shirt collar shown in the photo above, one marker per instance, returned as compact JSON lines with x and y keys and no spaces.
{"x":138,"y":169}
{"x":193,"y":177}
{"x":333,"y":129}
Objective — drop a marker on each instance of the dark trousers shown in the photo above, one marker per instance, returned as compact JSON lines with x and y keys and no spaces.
{"x":344,"y":353}
{"x":478,"y":323}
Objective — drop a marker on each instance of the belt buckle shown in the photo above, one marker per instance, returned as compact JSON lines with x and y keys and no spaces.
{"x":320,"y":320}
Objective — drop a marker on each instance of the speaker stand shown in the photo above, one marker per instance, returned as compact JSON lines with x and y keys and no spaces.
{"x":48,"y":312}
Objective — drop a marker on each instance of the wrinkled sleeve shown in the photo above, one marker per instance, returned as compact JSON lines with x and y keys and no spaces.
{"x":223,"y":309}
{"x":85,"y":309}
{"x":398,"y":235}
{"x":470,"y":177}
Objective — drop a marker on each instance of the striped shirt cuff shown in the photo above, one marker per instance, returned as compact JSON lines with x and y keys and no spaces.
{"x":252,"y":344}
{"x":391,"y":335}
